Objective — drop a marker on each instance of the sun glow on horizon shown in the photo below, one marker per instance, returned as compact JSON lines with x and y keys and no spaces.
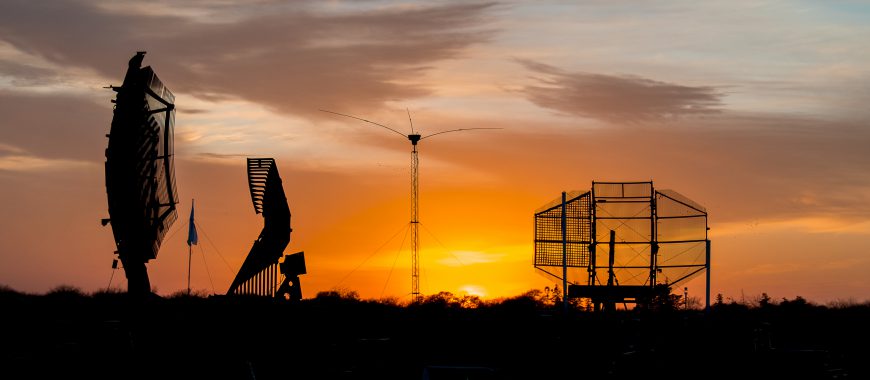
{"x":473,"y":290}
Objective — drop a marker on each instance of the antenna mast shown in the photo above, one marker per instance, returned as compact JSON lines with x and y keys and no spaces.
{"x":414,"y":137}
{"x":415,"y":219}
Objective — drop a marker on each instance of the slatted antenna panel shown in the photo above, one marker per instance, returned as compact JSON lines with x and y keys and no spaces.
{"x":258,"y":172}
{"x":261,"y":273}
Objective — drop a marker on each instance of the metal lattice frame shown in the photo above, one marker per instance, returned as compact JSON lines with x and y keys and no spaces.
{"x":659,"y":237}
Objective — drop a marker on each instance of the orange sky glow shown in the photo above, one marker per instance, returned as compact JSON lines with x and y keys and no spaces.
{"x":756,"y":110}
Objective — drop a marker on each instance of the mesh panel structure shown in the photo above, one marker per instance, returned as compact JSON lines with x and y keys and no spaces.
{"x":578,"y":232}
{"x":660,"y":236}
{"x":681,"y":227}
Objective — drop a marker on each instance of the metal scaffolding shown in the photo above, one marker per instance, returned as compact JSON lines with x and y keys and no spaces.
{"x":651,"y":238}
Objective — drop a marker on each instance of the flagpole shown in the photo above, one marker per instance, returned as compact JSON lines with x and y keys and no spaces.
{"x":191,"y":240}
{"x":189,"y":254}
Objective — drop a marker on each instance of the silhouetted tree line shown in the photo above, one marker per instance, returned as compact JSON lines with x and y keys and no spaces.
{"x":337,"y":334}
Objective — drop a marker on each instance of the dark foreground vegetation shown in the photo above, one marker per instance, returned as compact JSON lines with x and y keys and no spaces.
{"x":66,"y":334}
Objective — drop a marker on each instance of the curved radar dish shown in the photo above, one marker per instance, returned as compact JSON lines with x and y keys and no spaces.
{"x":140,"y":175}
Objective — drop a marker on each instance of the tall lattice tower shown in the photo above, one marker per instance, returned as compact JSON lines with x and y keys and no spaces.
{"x":414,"y":138}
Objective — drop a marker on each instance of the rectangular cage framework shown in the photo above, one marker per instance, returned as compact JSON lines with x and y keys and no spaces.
{"x":660,"y":237}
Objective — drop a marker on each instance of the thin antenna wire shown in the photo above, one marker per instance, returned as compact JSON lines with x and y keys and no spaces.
{"x":442,"y":244}
{"x":409,"y":120}
{"x":367,"y":121}
{"x":205,"y":233}
{"x":207,"y":271}
{"x":454,"y":130}
{"x":171,"y":235}
{"x":111,"y":278}
{"x":395,"y":260}
{"x":372,"y":254}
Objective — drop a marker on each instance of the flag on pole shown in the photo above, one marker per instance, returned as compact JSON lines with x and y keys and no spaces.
{"x":192,"y":238}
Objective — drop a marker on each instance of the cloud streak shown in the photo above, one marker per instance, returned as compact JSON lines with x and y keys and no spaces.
{"x":616,"y":98}
{"x":294,"y":60}
{"x":27,"y":163}
{"x":54,"y":126}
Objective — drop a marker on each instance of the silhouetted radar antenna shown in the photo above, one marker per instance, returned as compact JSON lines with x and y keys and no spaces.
{"x":414,"y":137}
{"x":140,"y":171}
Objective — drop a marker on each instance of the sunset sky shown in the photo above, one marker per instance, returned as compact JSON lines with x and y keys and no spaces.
{"x":757,"y":110}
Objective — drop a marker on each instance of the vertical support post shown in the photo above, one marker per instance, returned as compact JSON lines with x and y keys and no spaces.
{"x":654,"y":245}
{"x":564,"y":252}
{"x":415,"y":222}
{"x":686,"y":298}
{"x":593,"y":250}
{"x":707,"y":302}
{"x":611,"y":257}
{"x":592,"y":239}
{"x":189,"y":254}
{"x":591,"y":268}
{"x":609,"y":304}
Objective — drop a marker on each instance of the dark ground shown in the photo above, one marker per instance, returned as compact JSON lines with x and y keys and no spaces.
{"x":106,"y":336}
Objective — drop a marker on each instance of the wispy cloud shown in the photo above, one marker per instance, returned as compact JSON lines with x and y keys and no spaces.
{"x":827,"y":223}
{"x":616,"y":98}
{"x":294,"y":60}
{"x":26,"y":163}
{"x":462,"y":258}
{"x":10,"y":149}
{"x":54,"y":126}
{"x":229,"y":158}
